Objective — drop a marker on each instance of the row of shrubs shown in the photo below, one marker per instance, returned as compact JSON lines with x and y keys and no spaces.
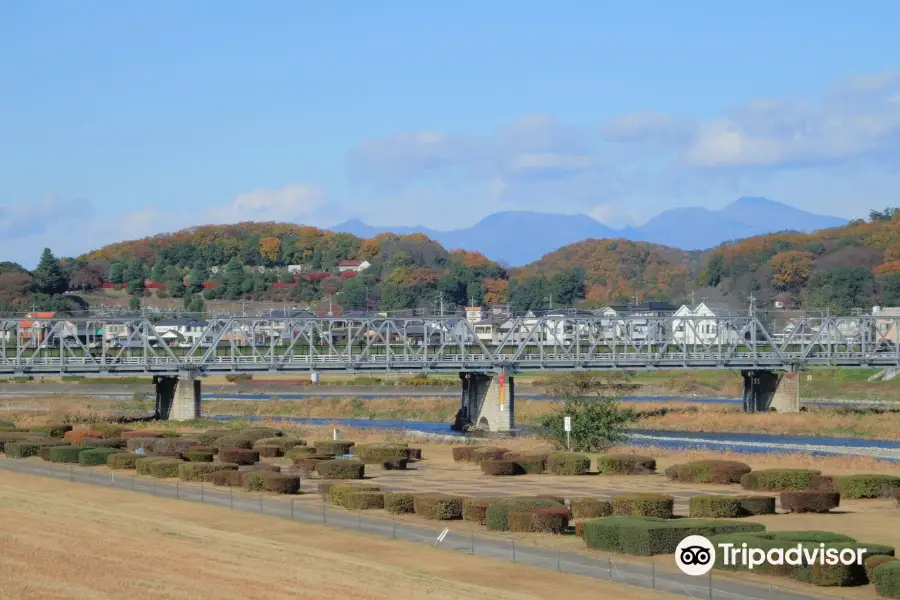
{"x":500,"y":461}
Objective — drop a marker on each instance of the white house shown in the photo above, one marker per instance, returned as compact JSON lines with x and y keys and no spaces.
{"x":295,"y":268}
{"x":353,"y":265}
{"x":180,"y":332}
{"x":704,"y":324}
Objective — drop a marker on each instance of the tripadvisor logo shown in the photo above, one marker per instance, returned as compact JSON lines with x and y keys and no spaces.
{"x":696,"y":555}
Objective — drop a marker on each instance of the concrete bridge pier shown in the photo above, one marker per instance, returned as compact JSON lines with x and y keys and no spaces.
{"x":487,"y":402}
{"x":766,"y":391}
{"x":177,"y":398}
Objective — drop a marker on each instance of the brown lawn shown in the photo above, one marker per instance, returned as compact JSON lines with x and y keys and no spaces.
{"x":72,"y":541}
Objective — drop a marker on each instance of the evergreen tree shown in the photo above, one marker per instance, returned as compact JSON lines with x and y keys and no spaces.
{"x":49,"y":277}
{"x":135,"y":303}
{"x":115,"y":273}
{"x":158,"y":272}
{"x":234,"y":278}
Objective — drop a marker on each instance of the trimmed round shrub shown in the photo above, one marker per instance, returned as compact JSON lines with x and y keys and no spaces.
{"x":590,"y":508}
{"x":809,"y":502}
{"x":474,"y":509}
{"x":463,"y":453}
{"x":364,"y":500}
{"x":122,"y":460}
{"x":336,"y":447}
{"x":285,"y":443}
{"x":227,"y":478}
{"x":757,"y":505}
{"x":488,"y":453}
{"x":871,"y":562}
{"x":625,"y":464}
{"x":202,"y":471}
{"x":550,"y":520}
{"x":44,"y":450}
{"x":299,"y":452}
{"x":281,"y":483}
{"x":269,"y":451}
{"x":142,"y":464}
{"x":95,"y":456}
{"x":644,"y":505}
{"x":499,"y":467}
{"x":340,"y":469}
{"x":22,"y":449}
{"x":438,"y":507}
{"x":117,"y":443}
{"x":777,"y":480}
{"x":708,"y":471}
{"x":230,"y":441}
{"x":375,"y":454}
{"x":715,"y":507}
{"x":203,"y":457}
{"x":140,"y":433}
{"x":238,"y":456}
{"x":887,"y":580}
{"x":65,"y":454}
{"x":395,"y":464}
{"x":530,"y":465}
{"x":399,"y":503}
{"x":866,"y":486}
{"x":568,"y":463}
{"x":336,"y":493}
{"x":57,"y":431}
{"x":164,"y":468}
{"x":496,"y":517}
{"x":253,"y":480}
{"x":520,"y":521}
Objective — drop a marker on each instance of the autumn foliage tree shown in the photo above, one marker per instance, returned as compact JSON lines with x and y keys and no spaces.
{"x":791,"y":269}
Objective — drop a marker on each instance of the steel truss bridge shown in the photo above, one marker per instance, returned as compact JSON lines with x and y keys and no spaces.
{"x":434,"y":344}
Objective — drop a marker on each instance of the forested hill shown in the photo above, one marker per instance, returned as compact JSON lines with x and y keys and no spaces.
{"x":854,"y":266}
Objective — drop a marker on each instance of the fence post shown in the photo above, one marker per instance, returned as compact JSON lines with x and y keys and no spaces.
{"x":231,"y":496}
{"x":292,"y":509}
{"x":394,"y":534}
{"x":132,"y":482}
{"x":653,"y":573}
{"x":260,"y":502}
{"x":154,"y":487}
{"x":557,"y":558}
{"x":514,"y":550}
{"x":472,"y":545}
{"x":70,"y":474}
{"x":201,"y":493}
{"x":324,"y":512}
{"x":359,"y":520}
{"x":177,"y":491}
{"x":609,"y":564}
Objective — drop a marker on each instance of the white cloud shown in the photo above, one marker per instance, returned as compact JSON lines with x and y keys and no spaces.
{"x":290,"y":203}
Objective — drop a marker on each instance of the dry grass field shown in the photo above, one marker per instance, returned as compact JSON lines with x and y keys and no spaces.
{"x":70,"y":541}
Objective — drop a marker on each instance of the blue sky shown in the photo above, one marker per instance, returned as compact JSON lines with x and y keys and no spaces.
{"x":122,"y":119}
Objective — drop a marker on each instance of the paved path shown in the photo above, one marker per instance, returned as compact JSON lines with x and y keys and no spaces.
{"x":305,"y":510}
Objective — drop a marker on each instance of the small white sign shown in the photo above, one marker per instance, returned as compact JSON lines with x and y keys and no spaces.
{"x":567,"y":424}
{"x":441,"y":537}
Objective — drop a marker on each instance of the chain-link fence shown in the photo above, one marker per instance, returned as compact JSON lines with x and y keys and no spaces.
{"x":658,"y":574}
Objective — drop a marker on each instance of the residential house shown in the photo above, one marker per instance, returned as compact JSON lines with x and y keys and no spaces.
{"x":556,"y":326}
{"x":35,"y":328}
{"x":357,"y":266}
{"x":886,"y":330}
{"x":184,"y":332}
{"x":496,"y":327}
{"x":705,"y":324}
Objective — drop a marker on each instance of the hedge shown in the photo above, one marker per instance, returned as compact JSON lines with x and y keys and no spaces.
{"x":199,"y":457}
{"x":281,"y":483}
{"x":568,"y":463}
{"x":135,"y":443}
{"x":16,"y":437}
{"x":122,"y":460}
{"x":625,"y":464}
{"x":643,"y":505}
{"x":340,"y":469}
{"x":336,"y":493}
{"x":757,"y":505}
{"x":116,"y":443}
{"x":542,"y":456}
{"x":56,"y":431}
{"x":109,"y":430}
{"x":269,"y":451}
{"x":887,"y":580}
{"x":7,"y":424}
{"x":209,"y":438}
{"x":285,"y":443}
{"x":227,"y":478}
{"x":22,"y":449}
{"x":530,"y":465}
{"x":374,"y":454}
{"x":332,"y":447}
{"x":166,"y":467}
{"x":464,"y":453}
{"x":65,"y":454}
{"x":866,"y":486}
{"x":777,"y":480}
{"x":590,"y":508}
{"x":438,"y":507}
{"x":474,"y":509}
{"x":178,"y":445}
{"x":252,"y":481}
{"x":240,"y":456}
{"x":299,"y":452}
{"x":258,"y":433}
{"x":715,"y":507}
{"x":398,"y":503}
{"x":708,"y":471}
{"x":809,"y":502}
{"x":841,"y":575}
{"x":488,"y":453}
{"x":499,"y":467}
{"x":551,"y":520}
{"x":308,"y":463}
{"x":874,"y":561}
{"x":395,"y":464}
{"x":127,"y":435}
{"x":415,"y":454}
{"x":202,"y":471}
{"x":229,"y":441}
{"x":648,"y":537}
{"x":142,"y":464}
{"x":77,"y":436}
{"x":363,"y":500}
{"x":44,"y":450}
{"x":496,"y":517}
{"x":520,"y":521}
{"x":96,"y":456}
{"x":323,"y":487}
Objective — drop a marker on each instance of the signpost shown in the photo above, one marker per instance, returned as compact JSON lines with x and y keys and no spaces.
{"x":567,"y":425}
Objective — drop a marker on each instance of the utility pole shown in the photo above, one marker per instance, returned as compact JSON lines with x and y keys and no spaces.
{"x":442,"y":304}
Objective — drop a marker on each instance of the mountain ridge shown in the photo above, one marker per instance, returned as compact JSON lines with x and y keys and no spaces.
{"x":536,"y":234}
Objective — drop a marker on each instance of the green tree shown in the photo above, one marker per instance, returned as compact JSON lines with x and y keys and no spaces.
{"x":354,"y":292}
{"x":234,"y":279}
{"x":115,"y":273}
{"x":49,"y":277}
{"x":598,"y":422}
{"x":194,"y":304}
{"x":715,"y":270}
{"x":158,"y":272}
{"x":135,"y":303}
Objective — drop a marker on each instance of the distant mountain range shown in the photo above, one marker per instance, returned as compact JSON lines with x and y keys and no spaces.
{"x":520,"y":237}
